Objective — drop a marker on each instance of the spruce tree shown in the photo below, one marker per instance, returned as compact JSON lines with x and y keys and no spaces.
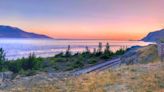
{"x":68,"y":53}
{"x":100,"y":47}
{"x":2,"y":59}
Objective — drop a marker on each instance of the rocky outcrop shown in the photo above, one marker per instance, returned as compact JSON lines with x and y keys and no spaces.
{"x":6,"y":75}
{"x":5,"y":79}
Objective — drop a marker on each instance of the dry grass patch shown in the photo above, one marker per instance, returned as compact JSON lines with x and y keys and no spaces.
{"x":134,"y":78}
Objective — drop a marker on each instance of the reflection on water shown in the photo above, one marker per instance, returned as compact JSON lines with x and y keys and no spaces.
{"x":17,"y":48}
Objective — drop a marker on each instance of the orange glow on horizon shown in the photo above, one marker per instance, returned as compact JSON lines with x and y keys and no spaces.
{"x":85,"y":19}
{"x":131,"y":29}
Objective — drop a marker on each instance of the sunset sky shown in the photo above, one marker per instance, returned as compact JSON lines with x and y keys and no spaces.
{"x":85,"y":19}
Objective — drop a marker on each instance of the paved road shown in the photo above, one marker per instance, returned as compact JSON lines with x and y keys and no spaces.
{"x":99,"y":67}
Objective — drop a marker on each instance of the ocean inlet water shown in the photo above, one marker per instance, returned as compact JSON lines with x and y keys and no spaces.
{"x":18,"y":48}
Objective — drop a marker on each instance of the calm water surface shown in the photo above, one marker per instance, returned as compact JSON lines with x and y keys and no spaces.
{"x":17,"y":48}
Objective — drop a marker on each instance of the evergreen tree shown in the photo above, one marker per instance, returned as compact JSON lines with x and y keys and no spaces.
{"x":107,"y":53}
{"x":30,"y":62}
{"x":107,"y":49}
{"x":2,"y":59}
{"x":94,"y":51}
{"x":68,"y":52}
{"x":2,"y":55}
{"x":120,"y":51}
{"x":100,"y":47}
{"x":99,"y":51}
{"x":87,"y":50}
{"x":86,"y":53}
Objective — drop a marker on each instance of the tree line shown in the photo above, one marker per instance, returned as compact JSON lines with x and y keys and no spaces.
{"x":62,"y":61}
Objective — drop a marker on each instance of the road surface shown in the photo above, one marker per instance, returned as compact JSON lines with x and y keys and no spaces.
{"x":99,"y":67}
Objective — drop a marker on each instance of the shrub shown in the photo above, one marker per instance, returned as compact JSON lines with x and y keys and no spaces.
{"x":14,"y":66}
{"x":120,"y":52}
{"x":27,"y":72}
{"x":92,"y":61}
{"x":2,"y":59}
{"x":76,"y":64}
{"x":60,"y":59}
{"x":29,"y":63}
{"x":59,"y":55}
{"x":76,"y":54}
{"x":98,"y":54}
{"x":38,"y":63}
{"x":105,"y":56}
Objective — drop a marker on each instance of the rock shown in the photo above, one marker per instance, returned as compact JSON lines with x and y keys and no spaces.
{"x":18,"y":77}
{"x":5,"y":79}
{"x":6,"y":76}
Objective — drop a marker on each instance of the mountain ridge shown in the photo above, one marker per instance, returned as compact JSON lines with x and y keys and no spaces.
{"x":15,"y":32}
{"x":154,"y":36}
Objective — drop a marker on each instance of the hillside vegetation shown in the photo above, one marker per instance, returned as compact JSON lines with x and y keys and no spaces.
{"x":144,"y":76}
{"x":65,"y":61}
{"x":134,"y":78}
{"x":147,"y":75}
{"x":141,"y":55}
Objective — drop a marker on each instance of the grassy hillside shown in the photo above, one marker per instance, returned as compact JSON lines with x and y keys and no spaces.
{"x":134,"y":78}
{"x":148,"y":54}
{"x":142,"y":55}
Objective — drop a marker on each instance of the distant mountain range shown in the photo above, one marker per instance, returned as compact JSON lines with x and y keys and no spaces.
{"x":154,"y":36}
{"x":14,"y":32}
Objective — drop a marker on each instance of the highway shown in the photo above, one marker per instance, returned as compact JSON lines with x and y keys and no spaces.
{"x":99,"y":67}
